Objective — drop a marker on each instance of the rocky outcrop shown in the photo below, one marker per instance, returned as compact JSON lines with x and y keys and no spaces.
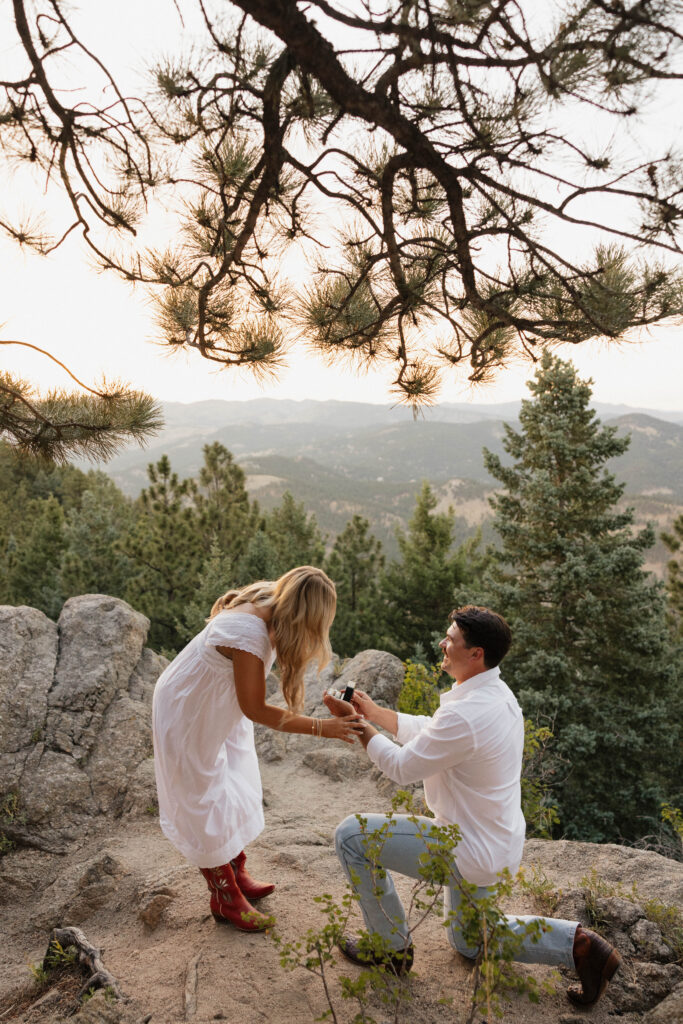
{"x":75,"y":733}
{"x":378,"y":673}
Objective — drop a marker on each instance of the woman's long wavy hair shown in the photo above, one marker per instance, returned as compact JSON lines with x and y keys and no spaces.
{"x":303,"y":603}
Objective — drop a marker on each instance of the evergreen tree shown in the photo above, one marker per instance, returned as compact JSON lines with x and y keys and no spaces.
{"x":293,"y":538}
{"x":260,"y":560}
{"x":215,"y":575}
{"x":225,"y":513}
{"x":674,"y":580}
{"x":167,"y":550}
{"x":355,"y":565}
{"x":418,"y":590}
{"x":36,"y":554}
{"x":93,"y":562}
{"x":590,"y":640}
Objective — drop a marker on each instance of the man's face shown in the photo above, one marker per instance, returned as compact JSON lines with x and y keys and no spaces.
{"x":457,"y":657}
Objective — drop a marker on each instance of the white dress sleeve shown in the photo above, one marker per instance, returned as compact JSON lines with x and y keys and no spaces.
{"x":241,"y":630}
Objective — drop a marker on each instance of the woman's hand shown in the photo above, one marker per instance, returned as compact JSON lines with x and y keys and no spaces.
{"x":346,"y":727}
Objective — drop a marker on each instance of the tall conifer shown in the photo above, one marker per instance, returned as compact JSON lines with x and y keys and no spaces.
{"x":591,"y":648}
{"x":355,"y":564}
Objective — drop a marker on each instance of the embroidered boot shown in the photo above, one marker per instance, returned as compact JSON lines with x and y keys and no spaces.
{"x":251,"y":889}
{"x":228,"y":903}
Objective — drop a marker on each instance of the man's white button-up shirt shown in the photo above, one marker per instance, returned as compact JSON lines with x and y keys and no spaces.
{"x":469,"y":756}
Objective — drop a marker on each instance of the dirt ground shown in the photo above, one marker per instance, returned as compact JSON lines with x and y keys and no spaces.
{"x":103,"y":881}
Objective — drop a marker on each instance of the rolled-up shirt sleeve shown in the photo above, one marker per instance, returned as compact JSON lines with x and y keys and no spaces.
{"x":443,"y":741}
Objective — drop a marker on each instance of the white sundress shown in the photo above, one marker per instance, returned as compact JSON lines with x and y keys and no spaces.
{"x":207,"y":773}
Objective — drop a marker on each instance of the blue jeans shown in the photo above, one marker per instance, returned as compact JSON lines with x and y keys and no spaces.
{"x":401,"y":848}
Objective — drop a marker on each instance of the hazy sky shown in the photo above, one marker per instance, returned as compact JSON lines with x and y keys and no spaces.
{"x":99,"y":325}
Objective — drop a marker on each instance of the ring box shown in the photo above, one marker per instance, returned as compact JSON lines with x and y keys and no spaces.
{"x":346,"y":694}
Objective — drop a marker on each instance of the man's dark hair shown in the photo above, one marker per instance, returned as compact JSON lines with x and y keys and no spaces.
{"x":481,"y":627}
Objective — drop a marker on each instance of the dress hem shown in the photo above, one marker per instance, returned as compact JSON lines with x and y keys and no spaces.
{"x":218,"y":855}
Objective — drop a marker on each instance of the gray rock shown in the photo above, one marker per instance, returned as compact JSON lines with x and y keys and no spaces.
{"x":101,"y":642}
{"x":337,"y":765}
{"x":78,"y":742}
{"x":317,"y":683}
{"x":621,"y":940}
{"x":571,"y":906}
{"x":620,"y":866}
{"x":648,"y":941}
{"x":28,"y":654}
{"x":639,"y":986}
{"x":618,"y":913}
{"x":379,"y":673}
{"x":669,"y":1011}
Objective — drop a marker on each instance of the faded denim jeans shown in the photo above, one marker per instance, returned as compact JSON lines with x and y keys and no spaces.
{"x":401,"y":848}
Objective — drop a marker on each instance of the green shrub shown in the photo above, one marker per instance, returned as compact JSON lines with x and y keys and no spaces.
{"x":420,"y":691}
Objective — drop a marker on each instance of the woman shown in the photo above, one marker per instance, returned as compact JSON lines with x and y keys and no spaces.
{"x":205,"y":704}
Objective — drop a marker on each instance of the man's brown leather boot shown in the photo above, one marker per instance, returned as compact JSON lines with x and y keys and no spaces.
{"x":596,"y":962}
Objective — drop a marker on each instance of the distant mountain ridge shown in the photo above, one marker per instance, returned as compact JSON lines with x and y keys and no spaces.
{"x":342,"y":458}
{"x":368,"y":442}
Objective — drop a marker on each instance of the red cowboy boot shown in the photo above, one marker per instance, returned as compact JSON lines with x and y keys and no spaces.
{"x":251,"y":889}
{"x":228,"y":903}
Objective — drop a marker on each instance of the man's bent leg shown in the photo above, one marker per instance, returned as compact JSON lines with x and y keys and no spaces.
{"x":399,"y":849}
{"x":552,"y":945}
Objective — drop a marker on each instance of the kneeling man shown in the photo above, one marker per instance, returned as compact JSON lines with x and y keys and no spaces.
{"x":469,"y":756}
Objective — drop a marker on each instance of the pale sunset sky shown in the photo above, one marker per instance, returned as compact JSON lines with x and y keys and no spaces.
{"x":98,"y":325}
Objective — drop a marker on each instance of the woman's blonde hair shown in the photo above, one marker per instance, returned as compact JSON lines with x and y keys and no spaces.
{"x":302,"y":603}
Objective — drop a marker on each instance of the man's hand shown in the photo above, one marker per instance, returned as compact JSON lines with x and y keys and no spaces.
{"x":338,"y":708}
{"x":384,"y":717}
{"x":365,"y":704}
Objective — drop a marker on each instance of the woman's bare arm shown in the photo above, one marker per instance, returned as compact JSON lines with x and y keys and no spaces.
{"x":250,"y":686}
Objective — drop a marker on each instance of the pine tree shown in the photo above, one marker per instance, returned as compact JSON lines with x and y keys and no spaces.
{"x":93,"y":562}
{"x":36,"y":554}
{"x":355,"y":564}
{"x":226,"y":515}
{"x":260,"y":560}
{"x":451,"y":152}
{"x":590,"y":643}
{"x":418,"y":590}
{"x":215,"y":576}
{"x":167,"y":550}
{"x":293,"y":537}
{"x":674,"y":580}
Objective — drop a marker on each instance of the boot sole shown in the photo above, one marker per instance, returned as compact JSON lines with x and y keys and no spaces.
{"x":609,"y":970}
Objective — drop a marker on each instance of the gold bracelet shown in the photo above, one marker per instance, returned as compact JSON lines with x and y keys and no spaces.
{"x":319,"y":723}
{"x":313,"y":727}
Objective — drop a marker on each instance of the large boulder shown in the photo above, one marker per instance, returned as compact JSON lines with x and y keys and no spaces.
{"x":379,"y":673}
{"x":75,"y":716}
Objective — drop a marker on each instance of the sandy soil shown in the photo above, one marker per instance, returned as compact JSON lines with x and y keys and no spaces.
{"x":239,"y":977}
